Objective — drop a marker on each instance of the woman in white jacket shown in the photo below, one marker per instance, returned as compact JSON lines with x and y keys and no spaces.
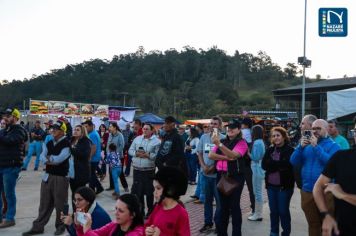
{"x":190,"y":151}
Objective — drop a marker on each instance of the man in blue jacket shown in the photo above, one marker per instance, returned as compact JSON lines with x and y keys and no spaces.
{"x":312,"y":154}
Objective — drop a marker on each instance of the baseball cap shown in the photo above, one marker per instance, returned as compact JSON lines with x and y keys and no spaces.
{"x":49,"y":122}
{"x":13,"y":112}
{"x":170,"y":119}
{"x":60,"y":125}
{"x":88,"y":122}
{"x":233,"y":124}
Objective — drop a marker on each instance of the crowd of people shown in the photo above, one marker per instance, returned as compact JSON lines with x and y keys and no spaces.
{"x":218,"y":160}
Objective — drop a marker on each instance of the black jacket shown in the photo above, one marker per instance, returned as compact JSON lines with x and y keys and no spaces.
{"x":81,"y":155}
{"x":12,"y":143}
{"x":171,"y":152}
{"x":283,"y":166}
{"x":62,"y":168}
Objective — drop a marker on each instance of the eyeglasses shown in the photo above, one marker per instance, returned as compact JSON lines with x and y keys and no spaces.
{"x":213,"y":123}
{"x":316,"y":128}
{"x":77,"y":200}
{"x":77,"y":129}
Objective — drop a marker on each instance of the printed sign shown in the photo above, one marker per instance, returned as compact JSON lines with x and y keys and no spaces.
{"x":332,"y":22}
{"x":56,"y":107}
{"x":114,"y":114}
{"x":72,"y":109}
{"x":101,"y":110}
{"x":38,"y":107}
{"x":87,"y":110}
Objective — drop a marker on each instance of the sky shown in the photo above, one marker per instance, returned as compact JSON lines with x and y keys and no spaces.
{"x":37,"y":36}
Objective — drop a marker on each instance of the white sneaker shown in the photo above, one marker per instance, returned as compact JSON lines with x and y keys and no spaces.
{"x":255,"y":217}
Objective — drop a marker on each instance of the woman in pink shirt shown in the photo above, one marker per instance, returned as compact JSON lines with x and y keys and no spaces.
{"x":228,"y":153}
{"x":169,"y":217}
{"x":129,"y":220}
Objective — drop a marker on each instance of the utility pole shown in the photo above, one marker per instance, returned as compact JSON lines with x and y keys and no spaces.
{"x":303,"y":60}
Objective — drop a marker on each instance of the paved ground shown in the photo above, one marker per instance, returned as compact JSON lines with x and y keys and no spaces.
{"x":28,"y":201}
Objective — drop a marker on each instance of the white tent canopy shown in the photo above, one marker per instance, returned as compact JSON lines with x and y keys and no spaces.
{"x":341,"y":103}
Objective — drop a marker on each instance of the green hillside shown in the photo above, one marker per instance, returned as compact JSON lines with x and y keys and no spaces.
{"x":188,"y":83}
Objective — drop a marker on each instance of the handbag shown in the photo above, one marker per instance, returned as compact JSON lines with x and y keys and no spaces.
{"x":227,"y":185}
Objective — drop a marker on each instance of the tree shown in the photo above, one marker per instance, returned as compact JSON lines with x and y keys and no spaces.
{"x":291,"y":71}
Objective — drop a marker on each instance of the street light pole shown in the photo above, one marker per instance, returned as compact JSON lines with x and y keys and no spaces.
{"x":304,"y":64}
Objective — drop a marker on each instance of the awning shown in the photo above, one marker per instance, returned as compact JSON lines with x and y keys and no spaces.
{"x":195,"y":122}
{"x":341,"y":103}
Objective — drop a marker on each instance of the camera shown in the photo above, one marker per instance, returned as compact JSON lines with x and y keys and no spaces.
{"x":141,"y":149}
{"x":307,"y":134}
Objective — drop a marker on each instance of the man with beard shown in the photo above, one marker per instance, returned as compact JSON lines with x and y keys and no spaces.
{"x":12,"y":140}
{"x":312,"y":154}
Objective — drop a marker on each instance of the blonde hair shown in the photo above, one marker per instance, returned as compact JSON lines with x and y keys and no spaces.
{"x":83,"y":131}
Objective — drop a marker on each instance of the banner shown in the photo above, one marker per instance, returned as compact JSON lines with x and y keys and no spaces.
{"x":87,"y":109}
{"x":114,"y":114}
{"x":56,"y":107}
{"x":101,"y":110}
{"x":72,"y":109}
{"x":38,"y":107}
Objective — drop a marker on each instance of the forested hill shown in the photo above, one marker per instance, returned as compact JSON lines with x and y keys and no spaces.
{"x":187,"y":83}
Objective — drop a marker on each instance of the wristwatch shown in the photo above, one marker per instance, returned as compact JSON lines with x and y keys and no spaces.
{"x":323,"y":214}
{"x":220,"y":144}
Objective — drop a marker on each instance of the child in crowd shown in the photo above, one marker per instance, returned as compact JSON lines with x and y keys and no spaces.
{"x":169,"y":217}
{"x":113,"y":160}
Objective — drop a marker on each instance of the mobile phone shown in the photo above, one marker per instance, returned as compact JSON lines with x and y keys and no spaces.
{"x":65,"y":209}
{"x":307,"y":134}
{"x":352,"y":133}
{"x":81,"y":218}
{"x":215,"y":131}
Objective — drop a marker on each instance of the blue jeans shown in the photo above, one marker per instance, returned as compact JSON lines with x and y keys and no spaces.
{"x":115,"y":172}
{"x":231,"y":205}
{"x":200,"y":190}
{"x":279,"y":201}
{"x":257,"y":183}
{"x":211,"y":192}
{"x":9,"y":177}
{"x":192,"y":160}
{"x":34,"y":147}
